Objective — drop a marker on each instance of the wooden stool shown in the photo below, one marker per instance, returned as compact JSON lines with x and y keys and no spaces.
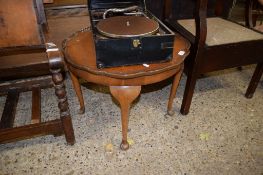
{"x":124,"y":82}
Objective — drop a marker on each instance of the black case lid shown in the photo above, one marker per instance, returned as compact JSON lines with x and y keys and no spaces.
{"x":105,"y":4}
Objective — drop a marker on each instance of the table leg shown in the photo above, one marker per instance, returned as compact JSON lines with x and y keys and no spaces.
{"x":65,"y":116}
{"x":125,"y":96}
{"x":78,"y":91}
{"x":175,"y":84}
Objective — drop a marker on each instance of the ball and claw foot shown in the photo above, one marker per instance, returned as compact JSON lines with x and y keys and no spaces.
{"x":82,"y":110}
{"x":124,"y":146}
{"x":170,"y":112}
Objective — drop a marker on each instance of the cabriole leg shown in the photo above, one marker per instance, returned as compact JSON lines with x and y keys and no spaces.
{"x":125,"y":96}
{"x":175,"y":84}
{"x":78,"y":91}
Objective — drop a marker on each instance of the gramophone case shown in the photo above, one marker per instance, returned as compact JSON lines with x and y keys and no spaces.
{"x":122,"y":51}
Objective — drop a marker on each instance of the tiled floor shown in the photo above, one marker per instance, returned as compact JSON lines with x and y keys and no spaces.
{"x":222,"y":134}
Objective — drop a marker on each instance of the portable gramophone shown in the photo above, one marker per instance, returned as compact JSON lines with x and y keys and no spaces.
{"x":126,"y":33}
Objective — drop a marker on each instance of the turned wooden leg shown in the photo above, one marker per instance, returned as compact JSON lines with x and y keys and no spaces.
{"x":254,"y":81}
{"x":78,"y":91}
{"x":125,"y":96}
{"x":60,"y":92}
{"x":175,"y":84}
{"x":56,"y":65}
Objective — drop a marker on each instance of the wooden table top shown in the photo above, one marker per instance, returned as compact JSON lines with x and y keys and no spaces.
{"x":80,"y":53}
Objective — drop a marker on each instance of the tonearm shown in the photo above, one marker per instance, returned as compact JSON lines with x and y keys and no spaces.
{"x":118,"y":10}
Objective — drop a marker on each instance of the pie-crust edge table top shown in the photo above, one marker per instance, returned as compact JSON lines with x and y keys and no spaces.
{"x":80,"y":55}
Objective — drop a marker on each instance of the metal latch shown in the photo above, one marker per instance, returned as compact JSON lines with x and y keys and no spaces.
{"x":136,"y":43}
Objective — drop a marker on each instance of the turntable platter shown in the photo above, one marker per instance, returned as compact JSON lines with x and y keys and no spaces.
{"x":127,"y":26}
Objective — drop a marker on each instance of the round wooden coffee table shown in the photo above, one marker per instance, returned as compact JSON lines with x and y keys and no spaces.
{"x":124,"y":82}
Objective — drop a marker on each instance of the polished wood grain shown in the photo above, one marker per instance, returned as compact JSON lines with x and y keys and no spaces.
{"x":125,"y":82}
{"x":56,"y":66}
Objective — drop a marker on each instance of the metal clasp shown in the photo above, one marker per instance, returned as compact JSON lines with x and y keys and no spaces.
{"x":136,"y":43}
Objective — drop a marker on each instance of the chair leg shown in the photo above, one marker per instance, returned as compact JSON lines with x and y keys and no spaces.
{"x":175,"y":84}
{"x":254,"y":81}
{"x":125,"y":96}
{"x":78,"y":91}
{"x":36,"y":105}
{"x":8,"y":116}
{"x":188,"y":92}
{"x":60,"y":92}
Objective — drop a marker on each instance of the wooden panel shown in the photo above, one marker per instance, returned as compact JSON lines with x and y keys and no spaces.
{"x":23,"y":65}
{"x":48,"y":1}
{"x":231,"y":55}
{"x":57,"y":3}
{"x":9,"y":112}
{"x":13,"y":134}
{"x":26,"y":84}
{"x":18,"y":23}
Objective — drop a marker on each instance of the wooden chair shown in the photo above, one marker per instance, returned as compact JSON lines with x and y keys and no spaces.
{"x":28,"y":62}
{"x":217,"y":43}
{"x":254,"y":10}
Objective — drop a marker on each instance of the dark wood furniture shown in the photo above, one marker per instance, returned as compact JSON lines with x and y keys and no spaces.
{"x":29,"y":62}
{"x":156,"y":7}
{"x":48,"y":1}
{"x":125,"y":82}
{"x":217,"y":43}
{"x":182,"y":9}
{"x":254,"y":11}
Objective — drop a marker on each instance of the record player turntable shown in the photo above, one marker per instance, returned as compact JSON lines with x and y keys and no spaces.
{"x":126,"y":33}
